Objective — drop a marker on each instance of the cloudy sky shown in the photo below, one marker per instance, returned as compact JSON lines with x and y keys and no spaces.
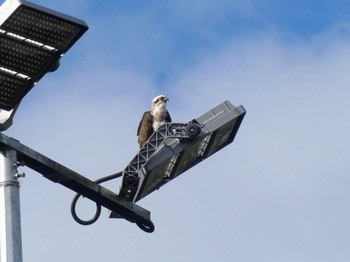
{"x":280,"y":192}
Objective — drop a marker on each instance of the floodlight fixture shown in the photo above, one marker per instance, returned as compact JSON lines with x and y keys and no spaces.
{"x":176,"y":147}
{"x":32,"y":41}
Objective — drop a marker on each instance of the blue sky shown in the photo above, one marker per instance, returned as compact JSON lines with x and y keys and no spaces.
{"x":278,"y":193}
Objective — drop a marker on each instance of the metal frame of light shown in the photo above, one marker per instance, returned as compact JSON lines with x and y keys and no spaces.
{"x":176,"y":147}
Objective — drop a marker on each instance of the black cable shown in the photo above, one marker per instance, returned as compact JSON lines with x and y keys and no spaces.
{"x":98,"y":206}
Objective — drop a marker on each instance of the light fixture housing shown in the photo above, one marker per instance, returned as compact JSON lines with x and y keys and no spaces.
{"x":32,"y":41}
{"x":176,"y":147}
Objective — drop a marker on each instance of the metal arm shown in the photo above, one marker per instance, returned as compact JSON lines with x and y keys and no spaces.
{"x":60,"y":174}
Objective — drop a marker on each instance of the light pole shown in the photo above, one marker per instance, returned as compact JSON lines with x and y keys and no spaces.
{"x":10,"y":217}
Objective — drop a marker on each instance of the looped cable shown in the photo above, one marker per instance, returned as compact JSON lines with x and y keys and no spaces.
{"x":98,"y":206}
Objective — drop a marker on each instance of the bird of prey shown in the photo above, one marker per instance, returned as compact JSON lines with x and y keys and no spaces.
{"x":152,"y":119}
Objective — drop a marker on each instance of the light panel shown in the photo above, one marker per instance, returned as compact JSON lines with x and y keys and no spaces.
{"x":11,"y":90}
{"x":25,"y":58}
{"x":221,"y":137}
{"x":32,"y":41}
{"x":192,"y":154}
{"x":43,"y":27}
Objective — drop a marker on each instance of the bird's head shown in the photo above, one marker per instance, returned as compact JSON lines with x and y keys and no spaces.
{"x":159,"y":101}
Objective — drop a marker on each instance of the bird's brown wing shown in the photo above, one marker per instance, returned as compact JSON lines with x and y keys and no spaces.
{"x":145,"y":128}
{"x":167,"y":117}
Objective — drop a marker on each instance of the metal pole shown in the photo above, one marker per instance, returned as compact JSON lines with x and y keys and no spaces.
{"x":10,"y":215}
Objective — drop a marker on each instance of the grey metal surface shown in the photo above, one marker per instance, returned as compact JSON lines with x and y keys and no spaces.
{"x":10,"y":217}
{"x":6,"y":118}
{"x":60,"y":174}
{"x":172,"y":149}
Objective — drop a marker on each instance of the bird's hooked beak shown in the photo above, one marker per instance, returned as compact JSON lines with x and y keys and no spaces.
{"x":166,"y":99}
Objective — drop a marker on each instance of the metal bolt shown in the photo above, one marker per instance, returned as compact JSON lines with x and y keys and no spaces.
{"x":19,"y":175}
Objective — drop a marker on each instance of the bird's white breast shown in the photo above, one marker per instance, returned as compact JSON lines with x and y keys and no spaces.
{"x":159,"y":114}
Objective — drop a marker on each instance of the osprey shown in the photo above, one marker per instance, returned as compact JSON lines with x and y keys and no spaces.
{"x":153,"y":119}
